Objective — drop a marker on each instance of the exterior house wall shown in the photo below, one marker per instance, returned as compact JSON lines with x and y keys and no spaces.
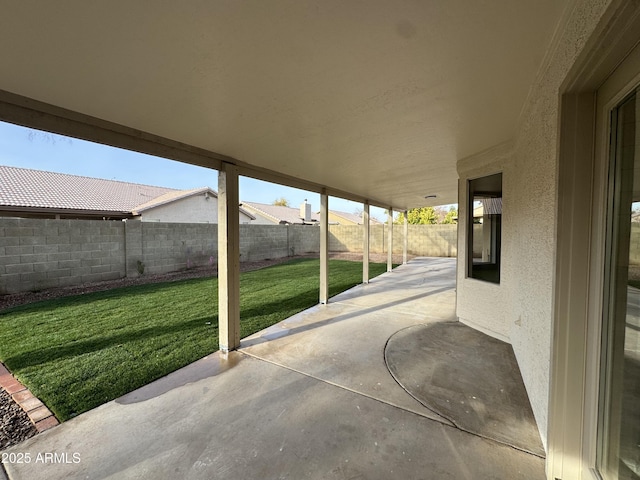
{"x":481,"y":304}
{"x":192,"y":209}
{"x":521,"y":307}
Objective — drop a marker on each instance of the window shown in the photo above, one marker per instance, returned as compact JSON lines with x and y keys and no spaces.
{"x":619,"y":426}
{"x":484,"y":228}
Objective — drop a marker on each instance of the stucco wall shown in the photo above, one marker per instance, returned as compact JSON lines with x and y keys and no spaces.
{"x":481,"y":304}
{"x":521,"y":306}
{"x":192,"y":209}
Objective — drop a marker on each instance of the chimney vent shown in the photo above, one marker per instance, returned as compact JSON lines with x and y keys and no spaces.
{"x":305,"y":211}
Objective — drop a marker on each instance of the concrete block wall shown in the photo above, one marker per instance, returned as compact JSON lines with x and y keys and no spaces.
{"x":260,"y":242}
{"x":345,"y":238}
{"x":303,"y":239}
{"x":428,"y":240}
{"x":425,"y":240}
{"x":634,"y":244}
{"x":168,"y":247}
{"x":37,"y":254}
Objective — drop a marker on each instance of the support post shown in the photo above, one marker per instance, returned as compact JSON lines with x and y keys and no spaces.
{"x":324,"y":248}
{"x":390,"y":241}
{"x":366,"y":231}
{"x":228,"y":258}
{"x":405,"y":247}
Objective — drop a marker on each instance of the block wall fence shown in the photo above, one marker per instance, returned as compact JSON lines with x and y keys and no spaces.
{"x":36,"y":254}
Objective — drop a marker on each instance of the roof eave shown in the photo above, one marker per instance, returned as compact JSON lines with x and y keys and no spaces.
{"x":12,"y":210}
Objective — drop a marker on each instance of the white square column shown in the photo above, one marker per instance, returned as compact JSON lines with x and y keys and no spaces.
{"x":228,"y":258}
{"x":405,"y":246}
{"x":366,"y":235}
{"x":324,"y":248}
{"x":390,"y":241}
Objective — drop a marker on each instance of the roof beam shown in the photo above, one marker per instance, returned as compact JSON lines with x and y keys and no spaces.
{"x":31,"y":113}
{"x":42,"y":116}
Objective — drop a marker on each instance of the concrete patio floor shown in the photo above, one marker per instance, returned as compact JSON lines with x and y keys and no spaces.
{"x":310,"y":397}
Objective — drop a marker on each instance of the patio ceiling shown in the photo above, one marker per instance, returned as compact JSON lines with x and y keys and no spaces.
{"x":376,"y":98}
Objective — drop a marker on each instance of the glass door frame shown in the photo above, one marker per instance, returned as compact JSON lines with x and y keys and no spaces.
{"x":604,"y":74}
{"x":616,"y":250}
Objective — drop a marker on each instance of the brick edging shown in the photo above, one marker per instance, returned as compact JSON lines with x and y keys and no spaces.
{"x":38,"y":413}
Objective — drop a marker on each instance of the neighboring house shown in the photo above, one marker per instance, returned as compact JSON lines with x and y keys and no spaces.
{"x":31,"y":193}
{"x":279,"y":215}
{"x":199,"y":205}
{"x":344,"y":218}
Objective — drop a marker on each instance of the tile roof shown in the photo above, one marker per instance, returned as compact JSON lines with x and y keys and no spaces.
{"x":352,"y":217}
{"x":171,"y":197}
{"x":278,"y":213}
{"x":22,"y":187}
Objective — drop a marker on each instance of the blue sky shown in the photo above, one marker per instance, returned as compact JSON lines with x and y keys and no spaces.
{"x":28,"y":148}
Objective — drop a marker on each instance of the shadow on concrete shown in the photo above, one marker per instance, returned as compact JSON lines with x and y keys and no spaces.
{"x":273,"y":335}
{"x":469,"y":378}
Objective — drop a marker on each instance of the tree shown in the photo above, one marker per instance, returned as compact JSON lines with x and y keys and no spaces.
{"x":429,"y":216}
{"x":281,"y":202}
{"x":451,"y":216}
{"x":420,"y":216}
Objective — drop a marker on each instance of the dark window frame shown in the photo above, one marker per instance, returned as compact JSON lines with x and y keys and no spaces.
{"x":488,"y":190}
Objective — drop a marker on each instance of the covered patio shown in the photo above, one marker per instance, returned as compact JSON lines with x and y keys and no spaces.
{"x":311,"y":397}
{"x":389,"y":104}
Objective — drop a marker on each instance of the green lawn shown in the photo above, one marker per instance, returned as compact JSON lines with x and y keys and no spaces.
{"x":76,"y":353}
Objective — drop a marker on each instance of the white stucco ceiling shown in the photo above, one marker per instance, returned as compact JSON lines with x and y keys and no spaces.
{"x":379,"y":98}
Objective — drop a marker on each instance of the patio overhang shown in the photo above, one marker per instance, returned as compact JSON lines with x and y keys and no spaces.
{"x":370,"y":102}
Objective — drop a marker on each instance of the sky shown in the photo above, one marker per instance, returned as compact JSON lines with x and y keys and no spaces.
{"x":28,"y":148}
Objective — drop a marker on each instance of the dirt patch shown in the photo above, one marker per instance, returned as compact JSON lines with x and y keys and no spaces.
{"x":15,"y":299}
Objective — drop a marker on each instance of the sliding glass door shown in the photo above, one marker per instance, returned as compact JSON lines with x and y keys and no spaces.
{"x":619,"y":413}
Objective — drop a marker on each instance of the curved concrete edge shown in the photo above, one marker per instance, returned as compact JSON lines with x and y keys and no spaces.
{"x":516,"y":428}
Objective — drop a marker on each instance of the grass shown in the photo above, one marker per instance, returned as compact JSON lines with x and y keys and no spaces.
{"x":76,"y":353}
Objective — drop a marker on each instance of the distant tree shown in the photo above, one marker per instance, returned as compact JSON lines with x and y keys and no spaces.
{"x":420,"y":216}
{"x":281,"y":202}
{"x":429,"y":216}
{"x":451,"y":216}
